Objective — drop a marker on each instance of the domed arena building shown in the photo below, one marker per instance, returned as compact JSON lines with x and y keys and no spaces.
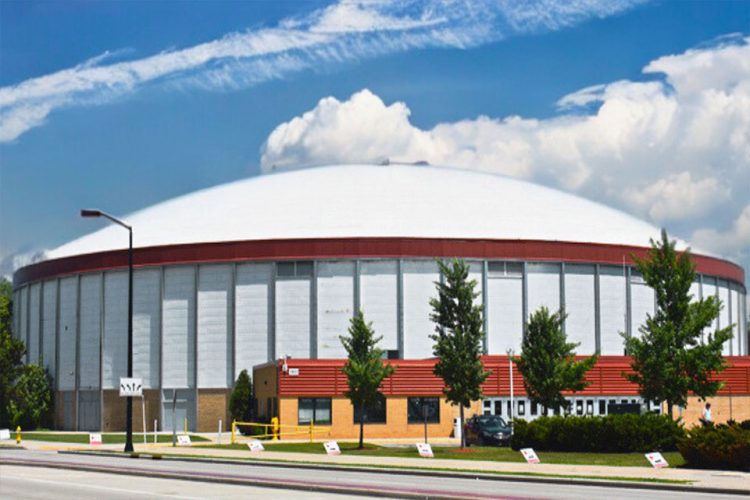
{"x":273,"y":267}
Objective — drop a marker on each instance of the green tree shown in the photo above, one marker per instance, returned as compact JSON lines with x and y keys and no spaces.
{"x":241,"y":399}
{"x":364,"y":369}
{"x":31,"y":399}
{"x":459,"y":330}
{"x":670,"y":358}
{"x":11,"y":350}
{"x":547,"y":361}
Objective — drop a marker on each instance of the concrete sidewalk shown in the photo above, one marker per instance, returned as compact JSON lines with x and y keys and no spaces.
{"x":712,"y":479}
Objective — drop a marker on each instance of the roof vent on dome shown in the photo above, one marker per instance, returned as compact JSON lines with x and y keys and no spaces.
{"x":387,"y":161}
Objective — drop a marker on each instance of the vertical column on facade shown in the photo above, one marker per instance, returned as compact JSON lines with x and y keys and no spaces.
{"x":597,"y":313}
{"x":628,"y":303}
{"x":102,"y":308}
{"x":400,"y":307}
{"x":272,"y":314}
{"x":525,"y":297}
{"x":40,"y":357}
{"x":562,"y":295}
{"x":57,"y":334}
{"x":357,"y":295}
{"x":485,"y":307}
{"x":233,"y":324}
{"x":77,"y":379}
{"x":314,"y":312}
{"x":27,"y":333}
{"x":196,"y":284}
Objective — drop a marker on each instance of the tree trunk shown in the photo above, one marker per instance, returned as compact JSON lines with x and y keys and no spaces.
{"x":361,"y":425}
{"x":463,"y":434}
{"x":669,"y":410}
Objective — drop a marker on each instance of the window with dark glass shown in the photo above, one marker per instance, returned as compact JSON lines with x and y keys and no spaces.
{"x":522,"y":408}
{"x":374,"y":413}
{"x":420,"y":408}
{"x":602,"y":407}
{"x":294,"y":268}
{"x":579,"y":407}
{"x":533,"y":409}
{"x":315,"y":410}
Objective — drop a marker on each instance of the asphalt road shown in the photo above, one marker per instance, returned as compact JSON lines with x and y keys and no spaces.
{"x":28,"y":474}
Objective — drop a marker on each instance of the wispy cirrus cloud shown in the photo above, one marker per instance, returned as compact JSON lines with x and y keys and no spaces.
{"x":344,"y":31}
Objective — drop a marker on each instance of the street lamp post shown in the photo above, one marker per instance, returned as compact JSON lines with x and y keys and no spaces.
{"x":129,"y":407}
{"x":510,"y":369}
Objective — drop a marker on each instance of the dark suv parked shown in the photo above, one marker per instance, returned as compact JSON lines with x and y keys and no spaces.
{"x":487,"y":430}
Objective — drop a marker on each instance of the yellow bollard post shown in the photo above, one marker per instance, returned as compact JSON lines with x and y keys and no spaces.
{"x":311,"y":431}
{"x":18,"y":435}
{"x":234,"y":426}
{"x":185,"y":425}
{"x":275,"y":428}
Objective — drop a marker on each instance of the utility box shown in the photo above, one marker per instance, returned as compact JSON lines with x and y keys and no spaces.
{"x":457,"y":427}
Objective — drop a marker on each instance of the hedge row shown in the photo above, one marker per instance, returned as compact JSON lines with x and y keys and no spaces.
{"x":611,"y":433}
{"x":725,"y":446}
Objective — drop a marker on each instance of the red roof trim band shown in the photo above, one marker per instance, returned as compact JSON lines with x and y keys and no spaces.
{"x":338,"y":248}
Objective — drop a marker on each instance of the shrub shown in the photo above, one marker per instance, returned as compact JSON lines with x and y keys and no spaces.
{"x":31,"y":402}
{"x":613,"y":433}
{"x":724,"y":446}
{"x":241,"y":402}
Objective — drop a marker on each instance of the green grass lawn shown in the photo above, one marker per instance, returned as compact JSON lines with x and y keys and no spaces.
{"x":107,"y":438}
{"x":473,"y":453}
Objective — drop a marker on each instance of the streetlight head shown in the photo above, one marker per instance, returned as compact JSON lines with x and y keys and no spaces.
{"x":91,"y":213}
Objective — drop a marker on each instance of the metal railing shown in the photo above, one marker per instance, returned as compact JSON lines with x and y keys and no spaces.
{"x":274,"y":430}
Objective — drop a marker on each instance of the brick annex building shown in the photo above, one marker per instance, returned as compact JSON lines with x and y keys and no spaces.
{"x":273,"y":267}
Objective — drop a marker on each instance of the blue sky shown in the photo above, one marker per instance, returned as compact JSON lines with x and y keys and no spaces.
{"x":123,"y":143}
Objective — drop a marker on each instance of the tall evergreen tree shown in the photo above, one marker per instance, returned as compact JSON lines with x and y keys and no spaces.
{"x":364,"y":369}
{"x":547,"y":361}
{"x":676,"y":352}
{"x":241,"y":400}
{"x":11,"y":350}
{"x":459,"y":330}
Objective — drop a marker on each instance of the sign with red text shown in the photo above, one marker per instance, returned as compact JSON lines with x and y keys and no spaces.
{"x":183,"y":440}
{"x":255,"y":446}
{"x":332,"y":448}
{"x":530,"y":455}
{"x":657,"y":460}
{"x":425,"y":450}
{"x":95,"y":439}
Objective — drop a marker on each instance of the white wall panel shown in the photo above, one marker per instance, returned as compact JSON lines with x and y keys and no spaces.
{"x":580,"y":300}
{"x":612,"y":305}
{"x":49,"y":324}
{"x":178,"y":330}
{"x":642,"y":304}
{"x":504,"y":314}
{"x":543,"y":287}
{"x":744,"y":325}
{"x":724,"y":314}
{"x":23,"y":323}
{"x":419,"y":286}
{"x":68,"y":325}
{"x":335,"y":306}
{"x":90,"y":331}
{"x":378,"y":286}
{"x":709,"y":290}
{"x":214,"y":323}
{"x":734,"y":298}
{"x":115,"y":342}
{"x":293,"y":317}
{"x":34,"y":324}
{"x":252,"y":315}
{"x":146,"y":321}
{"x":695,"y":291}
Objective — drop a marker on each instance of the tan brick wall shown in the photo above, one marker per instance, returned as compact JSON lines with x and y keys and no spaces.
{"x":265,"y":385}
{"x":722,"y":409}
{"x":113,"y":411}
{"x":396,"y":426}
{"x":213,"y":404}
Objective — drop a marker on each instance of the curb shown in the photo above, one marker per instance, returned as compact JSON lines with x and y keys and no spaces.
{"x":425,"y":472}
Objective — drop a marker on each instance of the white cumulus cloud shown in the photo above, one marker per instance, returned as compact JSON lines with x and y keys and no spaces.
{"x":674,"y":150}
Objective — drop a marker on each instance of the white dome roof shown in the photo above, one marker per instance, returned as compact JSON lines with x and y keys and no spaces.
{"x":371,"y":201}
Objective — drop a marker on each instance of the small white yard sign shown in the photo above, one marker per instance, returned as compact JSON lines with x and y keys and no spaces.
{"x":183,"y":440}
{"x":332,"y":448}
{"x":425,"y":450}
{"x":4,"y":434}
{"x":95,"y":438}
{"x":530,"y":455}
{"x":255,"y":446}
{"x":657,"y":460}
